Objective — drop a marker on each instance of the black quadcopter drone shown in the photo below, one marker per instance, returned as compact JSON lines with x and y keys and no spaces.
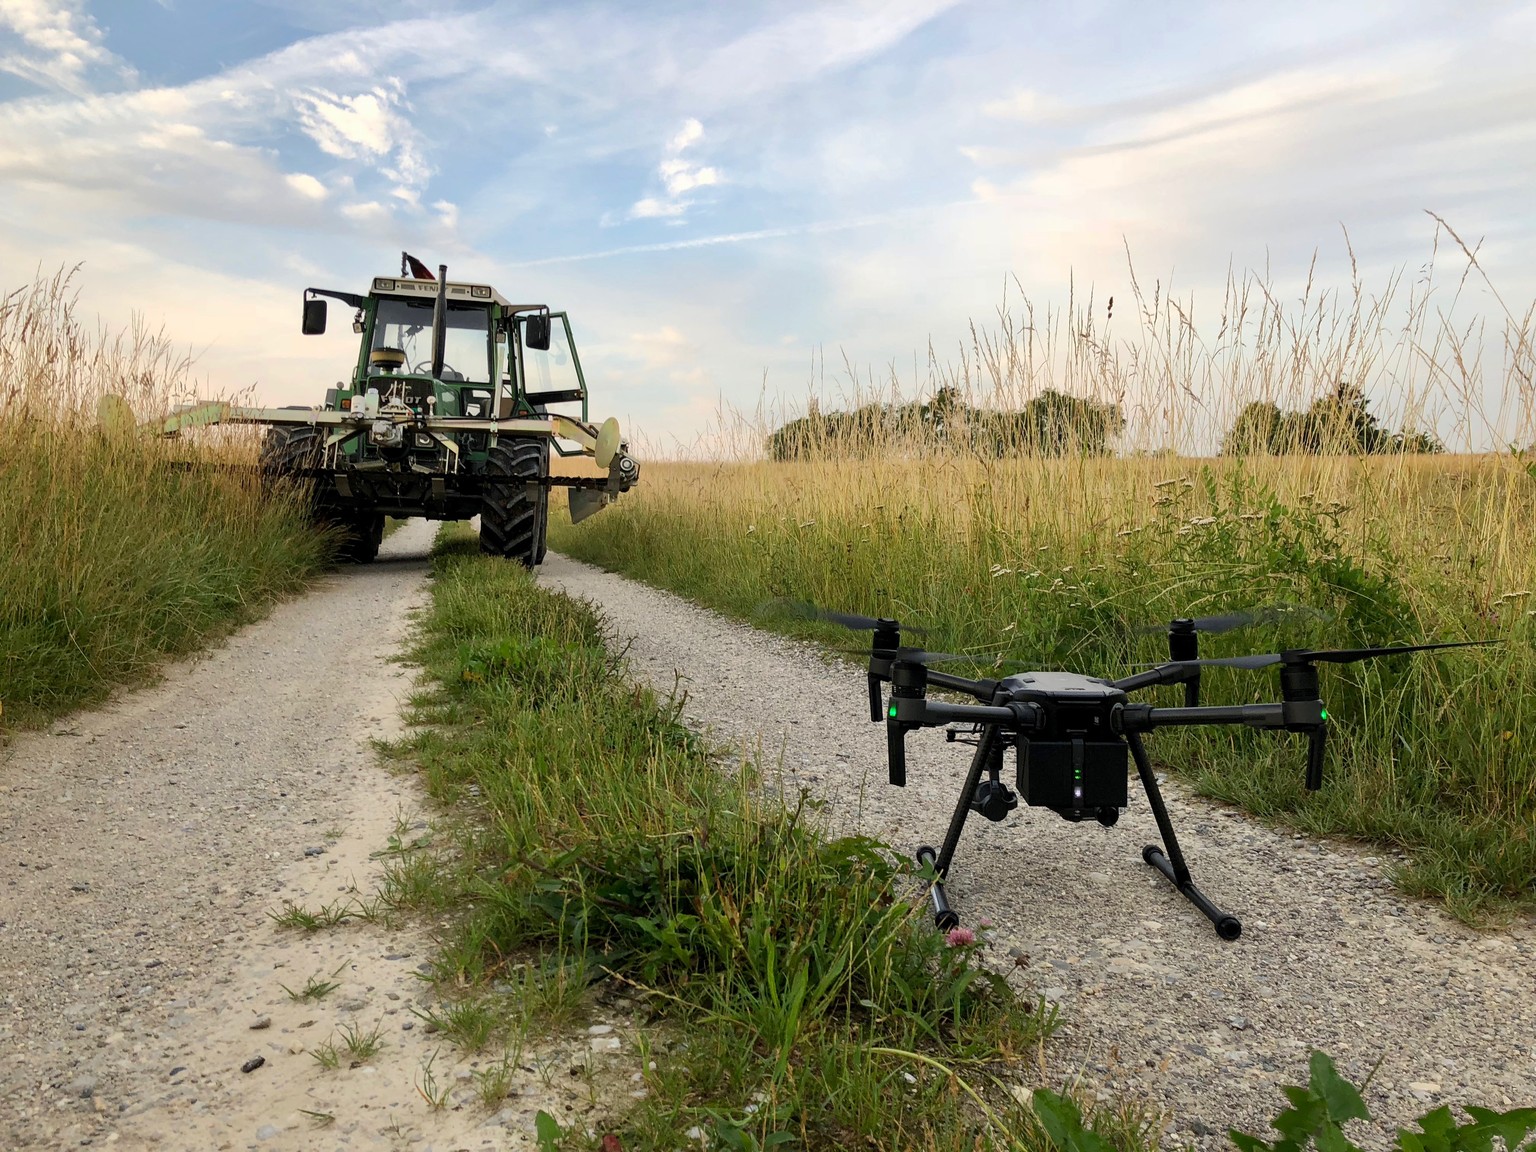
{"x":1073,"y":734}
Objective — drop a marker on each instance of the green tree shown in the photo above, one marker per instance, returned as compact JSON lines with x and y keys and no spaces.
{"x":1339,"y":423}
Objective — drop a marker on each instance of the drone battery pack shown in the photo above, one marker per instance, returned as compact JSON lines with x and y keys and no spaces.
{"x":1074,"y":774}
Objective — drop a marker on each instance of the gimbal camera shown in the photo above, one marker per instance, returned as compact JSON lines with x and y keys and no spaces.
{"x":1073,"y":735}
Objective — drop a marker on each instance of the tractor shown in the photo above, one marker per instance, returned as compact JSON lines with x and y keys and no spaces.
{"x":446,"y":416}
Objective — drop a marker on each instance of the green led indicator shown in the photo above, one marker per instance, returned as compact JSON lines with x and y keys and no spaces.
{"x":1325,"y":713}
{"x":892,"y":712}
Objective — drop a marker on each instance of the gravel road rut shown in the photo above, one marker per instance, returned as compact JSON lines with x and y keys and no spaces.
{"x":1331,"y":956}
{"x":141,"y":849}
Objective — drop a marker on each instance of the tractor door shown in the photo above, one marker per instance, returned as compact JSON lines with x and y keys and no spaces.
{"x":551,"y":380}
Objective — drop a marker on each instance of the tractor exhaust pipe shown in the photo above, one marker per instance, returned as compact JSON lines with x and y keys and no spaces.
{"x":440,"y":322}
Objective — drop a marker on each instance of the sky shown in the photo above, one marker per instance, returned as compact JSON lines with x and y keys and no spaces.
{"x":726,"y":197}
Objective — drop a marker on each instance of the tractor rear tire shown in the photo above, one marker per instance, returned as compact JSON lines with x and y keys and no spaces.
{"x":365,"y":532}
{"x":513,"y":517}
{"x":289,"y":452}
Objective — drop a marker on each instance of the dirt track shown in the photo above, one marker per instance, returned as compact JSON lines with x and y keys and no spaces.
{"x":141,"y":849}
{"x":1331,"y":955}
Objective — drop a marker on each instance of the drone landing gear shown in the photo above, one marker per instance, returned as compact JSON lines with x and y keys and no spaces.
{"x":991,"y":797}
{"x":1171,"y":862}
{"x":995,"y":800}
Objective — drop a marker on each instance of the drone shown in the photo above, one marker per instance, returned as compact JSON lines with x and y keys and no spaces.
{"x":1075,"y":736}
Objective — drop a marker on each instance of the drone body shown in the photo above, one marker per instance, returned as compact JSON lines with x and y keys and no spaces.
{"x":1075,"y":736}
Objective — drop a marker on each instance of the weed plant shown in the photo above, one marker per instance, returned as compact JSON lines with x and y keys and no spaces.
{"x":1058,"y":561}
{"x":600,"y":842}
{"x":116,"y":549}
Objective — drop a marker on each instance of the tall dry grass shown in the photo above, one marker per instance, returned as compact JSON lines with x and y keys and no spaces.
{"x":117,"y":549}
{"x":1058,"y":561}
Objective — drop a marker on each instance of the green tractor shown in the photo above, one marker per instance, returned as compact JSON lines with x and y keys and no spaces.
{"x":447,"y":416}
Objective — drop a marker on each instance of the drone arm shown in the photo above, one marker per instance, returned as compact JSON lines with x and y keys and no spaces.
{"x":981,"y":689}
{"x":1144,"y":718}
{"x":1162,"y":674}
{"x":919,"y":712}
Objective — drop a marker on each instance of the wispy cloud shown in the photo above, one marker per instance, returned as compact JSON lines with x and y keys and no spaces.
{"x":809,"y":229}
{"x":806,"y":44}
{"x":59,"y":44}
{"x":679,"y":176}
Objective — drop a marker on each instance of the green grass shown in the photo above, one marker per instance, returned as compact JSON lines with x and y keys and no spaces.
{"x":1057,"y":562}
{"x":113,"y":556}
{"x":796,"y":996}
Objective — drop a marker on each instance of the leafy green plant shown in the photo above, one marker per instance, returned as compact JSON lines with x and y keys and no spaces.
{"x":1319,"y":1112}
{"x":547,"y":1131}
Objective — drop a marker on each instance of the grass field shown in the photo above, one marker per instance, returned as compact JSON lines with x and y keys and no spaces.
{"x":113,"y":555}
{"x":1059,"y":561}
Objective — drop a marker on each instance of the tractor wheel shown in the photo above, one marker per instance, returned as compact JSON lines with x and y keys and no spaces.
{"x":365,"y":532}
{"x":513,"y":516}
{"x":287,"y":450}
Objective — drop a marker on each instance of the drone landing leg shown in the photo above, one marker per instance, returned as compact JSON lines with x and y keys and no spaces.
{"x":944,"y":916}
{"x":1171,"y":863}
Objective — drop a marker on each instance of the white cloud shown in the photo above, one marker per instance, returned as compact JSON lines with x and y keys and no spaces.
{"x":679,"y":176}
{"x":306,"y":185}
{"x":60,"y":43}
{"x":368,"y":212}
{"x":369,"y":126}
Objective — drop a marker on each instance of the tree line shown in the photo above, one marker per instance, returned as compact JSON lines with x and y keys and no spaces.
{"x":1059,"y":424}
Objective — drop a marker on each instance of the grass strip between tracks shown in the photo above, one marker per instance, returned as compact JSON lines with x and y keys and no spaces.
{"x":797,"y":998}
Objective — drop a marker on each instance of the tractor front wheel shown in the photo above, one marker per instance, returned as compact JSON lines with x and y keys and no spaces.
{"x":513,"y":515}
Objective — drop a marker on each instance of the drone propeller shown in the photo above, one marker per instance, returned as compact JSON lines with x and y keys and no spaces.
{"x":1330,"y":655}
{"x":805,"y":610}
{"x":1210,"y":625}
{"x":912,"y":655}
{"x":1231,"y":621}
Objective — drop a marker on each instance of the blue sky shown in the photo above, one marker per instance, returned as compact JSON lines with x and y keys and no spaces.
{"x":719,"y":193}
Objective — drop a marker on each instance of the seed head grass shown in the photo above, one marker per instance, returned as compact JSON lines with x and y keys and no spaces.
{"x":120,"y":549}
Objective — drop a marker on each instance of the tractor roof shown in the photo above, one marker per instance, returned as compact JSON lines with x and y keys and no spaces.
{"x":406,"y":288}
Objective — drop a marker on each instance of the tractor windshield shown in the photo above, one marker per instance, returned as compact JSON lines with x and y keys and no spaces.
{"x":407,"y":325}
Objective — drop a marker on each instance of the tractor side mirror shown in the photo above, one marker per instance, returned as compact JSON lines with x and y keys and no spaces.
{"x":314,"y":317}
{"x":536,"y":332}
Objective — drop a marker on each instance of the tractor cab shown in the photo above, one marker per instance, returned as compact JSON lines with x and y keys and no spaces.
{"x":485,"y":359}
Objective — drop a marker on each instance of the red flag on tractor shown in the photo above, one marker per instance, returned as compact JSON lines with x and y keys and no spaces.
{"x":415,"y":267}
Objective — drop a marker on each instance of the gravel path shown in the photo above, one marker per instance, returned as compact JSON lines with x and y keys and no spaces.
{"x":141,"y":849}
{"x":1331,"y":956}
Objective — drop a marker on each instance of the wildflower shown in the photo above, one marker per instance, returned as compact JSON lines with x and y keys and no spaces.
{"x":960,"y":937}
{"x":985,"y":922}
